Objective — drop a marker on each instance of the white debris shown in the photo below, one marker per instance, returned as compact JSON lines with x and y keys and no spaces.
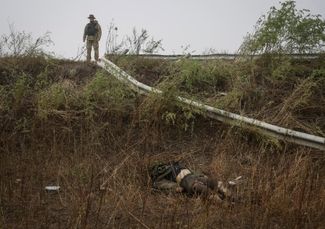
{"x":53,"y":188}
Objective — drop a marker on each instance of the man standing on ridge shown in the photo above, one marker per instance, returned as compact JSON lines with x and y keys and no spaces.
{"x":92,"y":33}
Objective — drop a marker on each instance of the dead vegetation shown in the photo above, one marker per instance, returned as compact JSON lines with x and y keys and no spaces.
{"x":72,"y":125}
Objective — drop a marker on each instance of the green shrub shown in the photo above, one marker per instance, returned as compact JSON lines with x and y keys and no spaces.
{"x":3,"y":99}
{"x":21,"y":90}
{"x":108,"y":93}
{"x":58,"y":97}
{"x":286,"y":30}
{"x":200,"y":77}
{"x":42,"y":80}
{"x":282,"y":71}
{"x":319,"y":74}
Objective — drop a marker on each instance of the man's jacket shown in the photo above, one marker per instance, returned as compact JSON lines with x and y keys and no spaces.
{"x":92,"y":31}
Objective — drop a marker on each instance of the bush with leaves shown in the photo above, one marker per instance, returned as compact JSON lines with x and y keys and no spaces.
{"x":286,"y":30}
{"x":105,"y":93}
{"x":200,"y":77}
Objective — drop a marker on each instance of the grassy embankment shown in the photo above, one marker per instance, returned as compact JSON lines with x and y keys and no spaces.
{"x":73,"y":125}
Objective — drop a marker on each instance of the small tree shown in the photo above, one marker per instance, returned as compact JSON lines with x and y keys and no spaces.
{"x":113,"y":45}
{"x":135,"y":44}
{"x":142,"y":43}
{"x":20,"y":43}
{"x":286,"y":30}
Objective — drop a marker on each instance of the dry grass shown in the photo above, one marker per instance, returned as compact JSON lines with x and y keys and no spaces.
{"x":281,"y":188}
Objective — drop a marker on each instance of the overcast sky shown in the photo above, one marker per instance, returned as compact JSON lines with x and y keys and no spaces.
{"x":202,"y":24}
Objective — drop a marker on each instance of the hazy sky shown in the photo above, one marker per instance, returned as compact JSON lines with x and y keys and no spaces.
{"x":202,"y":24}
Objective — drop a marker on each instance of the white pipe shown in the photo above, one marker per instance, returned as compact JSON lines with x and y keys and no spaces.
{"x":297,"y":137}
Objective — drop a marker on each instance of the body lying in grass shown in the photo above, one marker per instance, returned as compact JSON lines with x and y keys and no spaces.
{"x":175,"y":177}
